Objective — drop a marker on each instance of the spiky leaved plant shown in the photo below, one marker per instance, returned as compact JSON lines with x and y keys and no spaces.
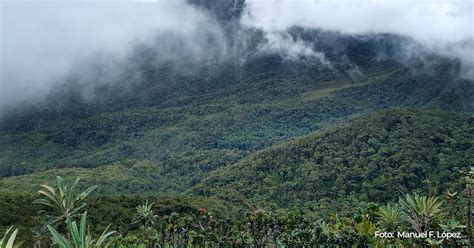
{"x":64,"y":201}
{"x":144,"y":215}
{"x":145,"y":219}
{"x":80,"y":236}
{"x":389,"y":217}
{"x":420,"y":211}
{"x":8,"y":240}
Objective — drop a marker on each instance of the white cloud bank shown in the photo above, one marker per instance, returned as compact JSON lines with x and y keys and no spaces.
{"x":424,"y":20}
{"x":444,"y":26}
{"x":41,"y":41}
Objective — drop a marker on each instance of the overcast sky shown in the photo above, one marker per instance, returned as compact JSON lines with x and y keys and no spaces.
{"x":427,"y":20}
{"x":41,"y":41}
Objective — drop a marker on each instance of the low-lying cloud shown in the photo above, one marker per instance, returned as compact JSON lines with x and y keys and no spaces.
{"x":429,"y":21}
{"x":445,"y":27}
{"x":41,"y":42}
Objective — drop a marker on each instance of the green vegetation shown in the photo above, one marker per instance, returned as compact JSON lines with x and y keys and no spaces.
{"x":303,"y":192}
{"x":8,"y":240}
{"x":187,"y":137}
{"x":374,"y":159}
{"x":263,"y":227}
{"x":63,"y":201}
{"x":79,"y":236}
{"x":258,"y":151}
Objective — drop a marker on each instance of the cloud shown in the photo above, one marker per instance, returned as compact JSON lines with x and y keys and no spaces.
{"x":291,"y":48}
{"x":443,"y":27}
{"x":432,"y":20}
{"x":41,"y":42}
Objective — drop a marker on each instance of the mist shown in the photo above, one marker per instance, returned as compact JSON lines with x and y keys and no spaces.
{"x":44,"y":42}
{"x":444,"y":27}
{"x":429,"y":21}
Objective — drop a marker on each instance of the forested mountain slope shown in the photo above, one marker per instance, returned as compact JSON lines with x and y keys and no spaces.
{"x":189,"y":137}
{"x":374,"y":159}
{"x":239,"y":135}
{"x":186,"y":115}
{"x":371,"y":159}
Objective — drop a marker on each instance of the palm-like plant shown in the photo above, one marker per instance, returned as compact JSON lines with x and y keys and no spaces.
{"x":420,"y":211}
{"x":145,"y":218}
{"x":63,"y":200}
{"x":80,"y":237}
{"x":8,"y":240}
{"x":389,"y":217}
{"x":144,"y":215}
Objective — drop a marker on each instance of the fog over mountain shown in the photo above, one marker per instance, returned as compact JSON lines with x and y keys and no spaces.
{"x":44,"y":43}
{"x":237,"y":123}
{"x":444,"y":27}
{"x":431,"y":21}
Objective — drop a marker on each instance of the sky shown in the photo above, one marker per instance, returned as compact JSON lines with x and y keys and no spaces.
{"x":424,"y":20}
{"x":42,"y":41}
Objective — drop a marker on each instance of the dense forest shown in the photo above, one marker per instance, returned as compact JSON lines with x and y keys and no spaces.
{"x":253,"y":148}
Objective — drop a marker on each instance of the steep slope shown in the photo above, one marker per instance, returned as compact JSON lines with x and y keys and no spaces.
{"x":190,"y":136}
{"x":188,"y":116}
{"x":376,"y":158}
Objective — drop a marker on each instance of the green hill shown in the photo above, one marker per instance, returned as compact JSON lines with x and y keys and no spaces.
{"x":188,"y":138}
{"x":373,"y":159}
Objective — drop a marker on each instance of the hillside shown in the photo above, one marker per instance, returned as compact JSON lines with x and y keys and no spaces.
{"x":235,"y":123}
{"x":189,"y":137}
{"x":373,"y":159}
{"x":188,"y":115}
{"x":167,"y":121}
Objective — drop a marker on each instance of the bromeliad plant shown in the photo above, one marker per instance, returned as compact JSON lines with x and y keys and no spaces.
{"x":421,"y":212}
{"x":145,"y":219}
{"x":389,"y":217}
{"x":144,"y":216}
{"x":80,"y":236}
{"x":64,"y":201}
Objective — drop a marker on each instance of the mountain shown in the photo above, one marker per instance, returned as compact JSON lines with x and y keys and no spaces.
{"x":190,"y":118}
{"x":234,"y":119}
{"x":177,"y":112}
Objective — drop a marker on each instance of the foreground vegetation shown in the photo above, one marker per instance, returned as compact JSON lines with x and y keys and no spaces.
{"x":63,"y":207}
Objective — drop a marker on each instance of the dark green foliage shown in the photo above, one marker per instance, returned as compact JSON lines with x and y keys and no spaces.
{"x":373,"y":159}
